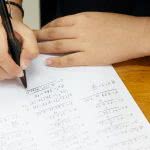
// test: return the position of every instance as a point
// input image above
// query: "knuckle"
(51, 33)
(69, 60)
(58, 45)
(32, 54)
(57, 62)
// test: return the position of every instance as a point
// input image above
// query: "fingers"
(3, 75)
(59, 46)
(61, 22)
(7, 65)
(10, 66)
(76, 59)
(3, 39)
(29, 47)
(55, 33)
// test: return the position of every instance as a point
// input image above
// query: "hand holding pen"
(8, 67)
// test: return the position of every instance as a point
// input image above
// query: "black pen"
(13, 44)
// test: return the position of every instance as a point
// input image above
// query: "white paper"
(83, 108)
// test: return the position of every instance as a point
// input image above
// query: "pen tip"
(24, 80)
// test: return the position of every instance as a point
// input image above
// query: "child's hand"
(94, 38)
(8, 68)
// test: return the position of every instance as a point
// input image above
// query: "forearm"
(146, 35)
(137, 33)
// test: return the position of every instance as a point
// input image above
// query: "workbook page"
(78, 108)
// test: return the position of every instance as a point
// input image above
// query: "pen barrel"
(13, 44)
(15, 49)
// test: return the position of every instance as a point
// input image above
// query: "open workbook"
(83, 108)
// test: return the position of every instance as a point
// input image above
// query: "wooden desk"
(136, 76)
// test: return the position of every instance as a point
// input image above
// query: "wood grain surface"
(136, 76)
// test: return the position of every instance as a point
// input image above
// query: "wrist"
(16, 12)
(17, 1)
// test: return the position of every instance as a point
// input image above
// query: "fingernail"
(21, 74)
(48, 62)
(25, 64)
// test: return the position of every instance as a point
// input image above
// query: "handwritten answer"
(83, 108)
(115, 119)
(66, 129)
(15, 134)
